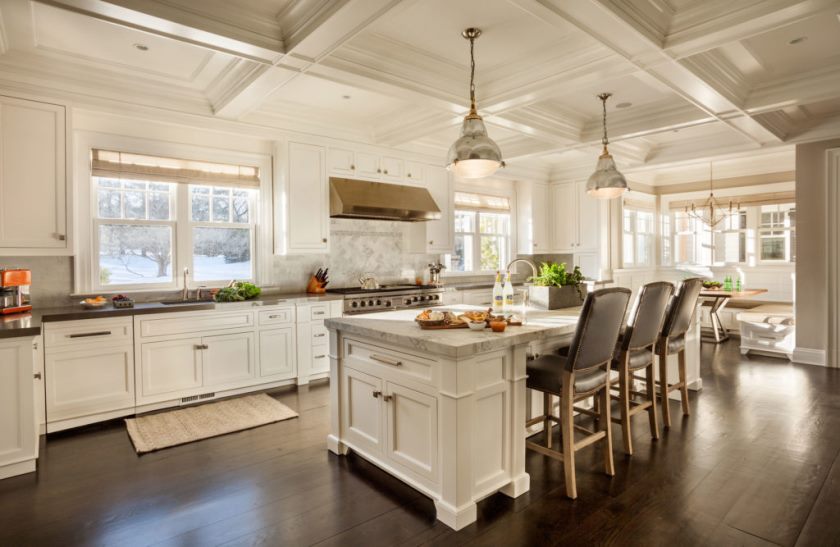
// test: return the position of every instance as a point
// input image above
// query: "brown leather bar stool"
(672, 341)
(584, 372)
(634, 353)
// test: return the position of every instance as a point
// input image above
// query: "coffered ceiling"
(690, 79)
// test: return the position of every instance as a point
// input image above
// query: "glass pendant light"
(474, 155)
(606, 182)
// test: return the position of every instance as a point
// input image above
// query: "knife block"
(315, 287)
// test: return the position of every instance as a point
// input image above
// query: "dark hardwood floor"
(755, 464)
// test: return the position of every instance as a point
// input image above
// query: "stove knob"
(436, 297)
(408, 301)
(355, 304)
(370, 302)
(415, 299)
(388, 303)
(362, 303)
(379, 302)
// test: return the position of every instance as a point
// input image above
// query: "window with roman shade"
(482, 233)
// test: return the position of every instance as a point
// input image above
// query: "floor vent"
(206, 395)
(189, 399)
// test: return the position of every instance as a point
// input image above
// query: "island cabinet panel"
(412, 425)
(362, 421)
(277, 353)
(491, 464)
(228, 359)
(392, 364)
(169, 369)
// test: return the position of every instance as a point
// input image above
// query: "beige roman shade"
(124, 165)
(640, 204)
(767, 198)
(481, 202)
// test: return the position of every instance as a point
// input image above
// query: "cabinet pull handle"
(376, 394)
(386, 171)
(385, 360)
(202, 346)
(352, 167)
(379, 170)
(37, 375)
(275, 316)
(324, 240)
(320, 335)
(409, 175)
(320, 356)
(88, 334)
(431, 242)
(317, 313)
(388, 398)
(60, 237)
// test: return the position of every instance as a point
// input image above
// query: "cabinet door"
(564, 217)
(169, 368)
(412, 432)
(539, 211)
(440, 234)
(91, 381)
(392, 168)
(277, 353)
(415, 172)
(341, 161)
(532, 218)
(589, 220)
(362, 420)
(478, 297)
(32, 175)
(589, 264)
(18, 439)
(228, 359)
(367, 166)
(308, 200)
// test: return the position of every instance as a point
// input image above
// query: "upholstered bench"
(768, 328)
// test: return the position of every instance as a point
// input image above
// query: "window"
(638, 237)
(730, 238)
(146, 231)
(482, 233)
(776, 233)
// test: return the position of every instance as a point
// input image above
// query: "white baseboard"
(808, 356)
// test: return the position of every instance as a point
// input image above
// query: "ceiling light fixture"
(606, 182)
(474, 155)
(710, 212)
(141, 47)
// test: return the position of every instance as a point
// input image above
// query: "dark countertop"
(29, 324)
(474, 285)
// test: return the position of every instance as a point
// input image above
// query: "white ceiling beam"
(811, 87)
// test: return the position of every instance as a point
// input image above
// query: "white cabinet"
(89, 371)
(564, 217)
(363, 420)
(367, 166)
(33, 182)
(313, 355)
(532, 217)
(169, 369)
(435, 236)
(228, 359)
(18, 422)
(589, 220)
(392, 168)
(306, 201)
(277, 353)
(477, 297)
(576, 225)
(415, 172)
(412, 432)
(341, 162)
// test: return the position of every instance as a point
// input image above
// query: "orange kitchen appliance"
(14, 291)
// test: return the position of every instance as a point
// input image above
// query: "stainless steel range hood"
(350, 198)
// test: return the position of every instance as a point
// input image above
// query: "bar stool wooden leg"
(567, 426)
(683, 384)
(650, 387)
(547, 421)
(663, 389)
(624, 403)
(606, 424)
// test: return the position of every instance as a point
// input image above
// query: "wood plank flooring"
(757, 463)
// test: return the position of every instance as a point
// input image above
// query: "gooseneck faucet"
(185, 295)
(524, 261)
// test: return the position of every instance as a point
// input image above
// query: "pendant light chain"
(472, 73)
(604, 140)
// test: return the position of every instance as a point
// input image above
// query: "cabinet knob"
(535, 245)
(386, 171)
(376, 394)
(379, 170)
(37, 375)
(387, 398)
(431, 242)
(324, 240)
(60, 237)
(409, 175)
(352, 167)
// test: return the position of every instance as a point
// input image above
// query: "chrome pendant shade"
(474, 155)
(606, 182)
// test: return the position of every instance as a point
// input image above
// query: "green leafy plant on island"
(552, 274)
(237, 292)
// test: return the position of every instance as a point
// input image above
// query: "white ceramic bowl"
(477, 325)
(89, 306)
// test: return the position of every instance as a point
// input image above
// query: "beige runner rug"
(185, 425)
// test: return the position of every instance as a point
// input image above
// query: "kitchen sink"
(185, 302)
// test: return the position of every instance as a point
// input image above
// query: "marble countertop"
(29, 324)
(399, 328)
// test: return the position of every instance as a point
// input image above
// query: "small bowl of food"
(498, 325)
(477, 325)
(94, 303)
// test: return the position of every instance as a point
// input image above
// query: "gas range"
(389, 297)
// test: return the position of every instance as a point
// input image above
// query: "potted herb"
(555, 288)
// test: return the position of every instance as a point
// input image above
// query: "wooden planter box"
(554, 298)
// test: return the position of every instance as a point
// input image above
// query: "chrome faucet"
(525, 261)
(185, 295)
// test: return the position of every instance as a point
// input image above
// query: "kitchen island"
(443, 410)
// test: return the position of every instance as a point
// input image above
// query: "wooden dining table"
(720, 298)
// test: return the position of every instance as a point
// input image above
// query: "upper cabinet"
(304, 200)
(33, 178)
(576, 218)
(415, 172)
(440, 234)
(347, 163)
(532, 218)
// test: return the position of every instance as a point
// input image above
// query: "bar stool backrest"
(648, 316)
(598, 328)
(682, 308)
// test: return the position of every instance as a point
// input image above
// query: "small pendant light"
(474, 155)
(606, 182)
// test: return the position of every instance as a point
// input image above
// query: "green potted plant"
(555, 288)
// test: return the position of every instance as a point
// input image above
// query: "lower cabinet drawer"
(194, 322)
(320, 334)
(280, 316)
(82, 383)
(88, 332)
(377, 360)
(320, 359)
